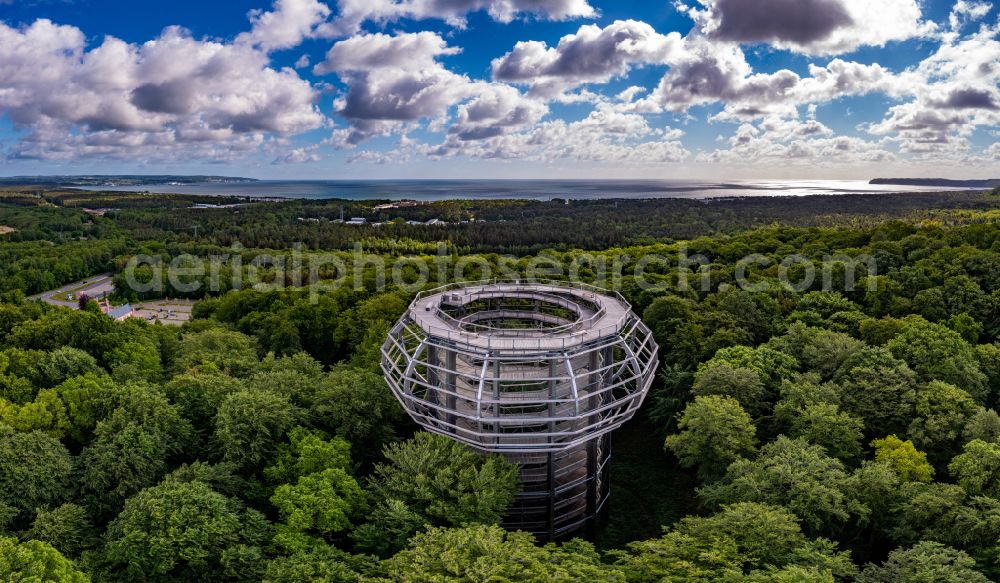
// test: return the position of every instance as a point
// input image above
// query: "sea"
(522, 189)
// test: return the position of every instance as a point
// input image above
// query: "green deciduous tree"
(665, 314)
(984, 425)
(817, 350)
(64, 363)
(826, 425)
(132, 448)
(790, 473)
(875, 490)
(298, 385)
(881, 294)
(792, 574)
(746, 311)
(358, 406)
(942, 412)
(678, 558)
(714, 432)
(741, 539)
(945, 513)
(925, 561)
(446, 481)
(250, 425)
(966, 326)
(742, 384)
(307, 453)
(989, 362)
(809, 411)
(322, 563)
(221, 477)
(903, 457)
(390, 525)
(977, 468)
(66, 527)
(36, 561)
(442, 481)
(35, 470)
(878, 332)
(877, 388)
(489, 553)
(936, 352)
(15, 389)
(200, 392)
(47, 413)
(799, 392)
(826, 303)
(231, 352)
(176, 531)
(88, 399)
(135, 360)
(320, 504)
(771, 365)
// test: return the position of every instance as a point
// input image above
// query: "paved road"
(96, 287)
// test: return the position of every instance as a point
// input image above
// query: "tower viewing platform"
(539, 372)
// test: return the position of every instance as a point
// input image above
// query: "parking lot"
(171, 312)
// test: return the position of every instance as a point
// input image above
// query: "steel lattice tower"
(539, 372)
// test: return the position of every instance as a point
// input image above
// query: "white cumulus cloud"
(171, 96)
(288, 23)
(815, 27)
(392, 81)
(353, 13)
(591, 55)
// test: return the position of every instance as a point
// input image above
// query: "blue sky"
(509, 88)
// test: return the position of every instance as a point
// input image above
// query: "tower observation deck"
(539, 372)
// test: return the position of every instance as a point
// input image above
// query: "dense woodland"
(87, 243)
(814, 436)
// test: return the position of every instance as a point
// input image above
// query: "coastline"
(437, 190)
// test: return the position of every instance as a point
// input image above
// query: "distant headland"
(942, 182)
(100, 180)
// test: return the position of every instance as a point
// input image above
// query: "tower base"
(562, 493)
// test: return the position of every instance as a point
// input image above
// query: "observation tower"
(539, 372)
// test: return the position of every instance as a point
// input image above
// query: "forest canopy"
(816, 435)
